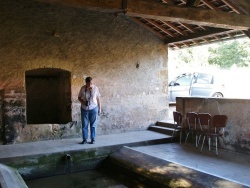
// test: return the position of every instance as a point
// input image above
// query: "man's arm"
(99, 105)
(81, 100)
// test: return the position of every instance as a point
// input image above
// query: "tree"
(187, 55)
(230, 53)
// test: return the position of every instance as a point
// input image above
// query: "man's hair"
(88, 79)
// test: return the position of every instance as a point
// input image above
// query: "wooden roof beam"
(195, 42)
(247, 33)
(183, 2)
(160, 27)
(167, 1)
(193, 3)
(244, 4)
(232, 6)
(210, 5)
(186, 44)
(207, 40)
(147, 27)
(175, 28)
(162, 11)
(188, 27)
(199, 35)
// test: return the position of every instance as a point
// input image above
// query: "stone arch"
(48, 96)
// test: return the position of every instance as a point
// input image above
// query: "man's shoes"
(84, 142)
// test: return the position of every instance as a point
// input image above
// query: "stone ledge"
(163, 173)
(10, 178)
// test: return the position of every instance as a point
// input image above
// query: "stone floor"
(228, 165)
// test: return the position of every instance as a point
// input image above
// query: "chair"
(219, 122)
(178, 124)
(204, 120)
(192, 122)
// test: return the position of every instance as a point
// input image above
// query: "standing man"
(89, 97)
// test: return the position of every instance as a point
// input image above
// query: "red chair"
(204, 124)
(178, 124)
(192, 122)
(219, 122)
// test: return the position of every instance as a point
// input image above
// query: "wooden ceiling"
(180, 23)
(179, 34)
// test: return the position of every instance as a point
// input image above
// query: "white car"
(194, 84)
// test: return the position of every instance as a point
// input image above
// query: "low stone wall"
(156, 172)
(237, 131)
(36, 132)
(58, 163)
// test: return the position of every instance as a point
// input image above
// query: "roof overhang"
(179, 23)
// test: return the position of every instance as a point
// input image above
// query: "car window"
(204, 79)
(184, 81)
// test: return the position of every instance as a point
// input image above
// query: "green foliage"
(230, 53)
(187, 56)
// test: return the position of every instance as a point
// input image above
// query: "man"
(89, 97)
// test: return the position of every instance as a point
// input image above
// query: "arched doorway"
(48, 96)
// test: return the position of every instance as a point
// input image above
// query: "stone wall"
(127, 62)
(237, 131)
(1, 117)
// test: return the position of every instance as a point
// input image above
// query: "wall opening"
(48, 96)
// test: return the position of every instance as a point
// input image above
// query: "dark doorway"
(48, 94)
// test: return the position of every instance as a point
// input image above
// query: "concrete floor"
(231, 166)
(228, 165)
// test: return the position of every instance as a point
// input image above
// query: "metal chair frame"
(219, 122)
(192, 122)
(205, 124)
(178, 122)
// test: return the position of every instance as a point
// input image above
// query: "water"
(92, 179)
(77, 180)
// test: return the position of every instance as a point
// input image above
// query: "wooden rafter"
(193, 3)
(223, 36)
(210, 5)
(232, 6)
(180, 23)
(196, 35)
(160, 27)
(247, 33)
(162, 11)
(188, 15)
(167, 1)
(194, 41)
(175, 28)
(244, 4)
(147, 27)
(189, 28)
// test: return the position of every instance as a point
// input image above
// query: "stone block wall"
(127, 63)
(237, 131)
(1, 117)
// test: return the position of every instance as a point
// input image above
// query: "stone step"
(161, 129)
(168, 124)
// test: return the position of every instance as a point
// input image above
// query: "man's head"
(88, 81)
